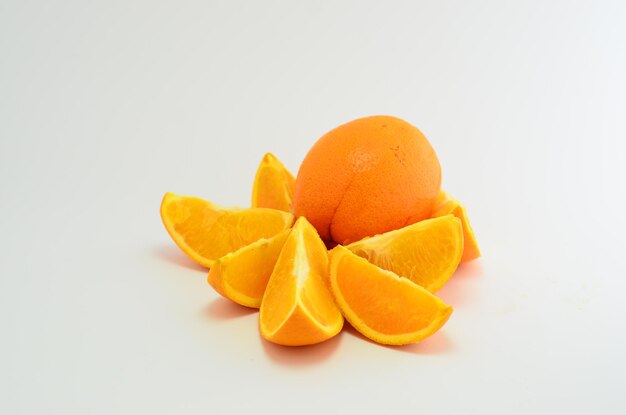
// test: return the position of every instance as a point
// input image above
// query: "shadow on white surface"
(457, 291)
(439, 343)
(301, 355)
(223, 309)
(173, 255)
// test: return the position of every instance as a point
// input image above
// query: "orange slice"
(427, 252)
(446, 205)
(242, 275)
(381, 305)
(298, 308)
(273, 185)
(206, 231)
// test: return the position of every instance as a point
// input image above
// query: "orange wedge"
(206, 231)
(273, 185)
(427, 252)
(381, 305)
(298, 308)
(446, 205)
(242, 275)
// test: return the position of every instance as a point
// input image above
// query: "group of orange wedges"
(383, 285)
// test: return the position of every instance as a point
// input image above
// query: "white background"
(105, 106)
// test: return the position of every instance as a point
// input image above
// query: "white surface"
(104, 107)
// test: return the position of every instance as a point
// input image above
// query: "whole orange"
(366, 177)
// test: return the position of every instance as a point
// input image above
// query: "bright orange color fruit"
(242, 275)
(427, 252)
(273, 185)
(367, 177)
(446, 205)
(369, 189)
(206, 231)
(381, 305)
(298, 308)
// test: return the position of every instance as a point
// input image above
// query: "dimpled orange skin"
(367, 177)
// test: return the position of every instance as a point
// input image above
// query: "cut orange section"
(427, 252)
(381, 305)
(446, 205)
(273, 185)
(206, 231)
(298, 308)
(242, 275)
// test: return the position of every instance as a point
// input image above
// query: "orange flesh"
(446, 205)
(427, 252)
(282, 294)
(251, 278)
(273, 185)
(297, 307)
(242, 275)
(206, 231)
(405, 308)
(382, 306)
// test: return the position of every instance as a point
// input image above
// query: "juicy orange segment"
(381, 305)
(242, 275)
(427, 252)
(446, 205)
(298, 308)
(206, 231)
(273, 185)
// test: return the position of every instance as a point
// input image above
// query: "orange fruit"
(381, 305)
(206, 231)
(427, 252)
(298, 308)
(367, 177)
(446, 205)
(242, 275)
(273, 185)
